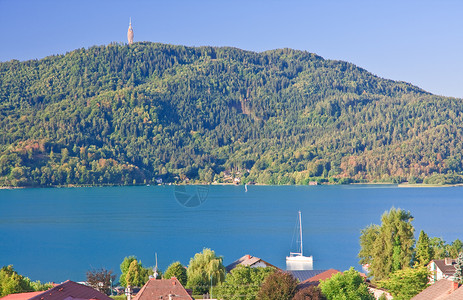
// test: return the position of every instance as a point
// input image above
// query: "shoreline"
(400, 185)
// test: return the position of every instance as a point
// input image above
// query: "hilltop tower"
(130, 33)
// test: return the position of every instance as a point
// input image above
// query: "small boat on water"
(296, 261)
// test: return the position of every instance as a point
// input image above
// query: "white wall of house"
(259, 264)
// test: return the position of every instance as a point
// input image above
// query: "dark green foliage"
(243, 282)
(121, 114)
(177, 270)
(348, 285)
(278, 286)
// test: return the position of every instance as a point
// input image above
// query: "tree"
(205, 269)
(101, 280)
(459, 269)
(406, 283)
(423, 251)
(138, 275)
(388, 247)
(455, 248)
(243, 282)
(348, 285)
(278, 286)
(134, 275)
(309, 293)
(177, 270)
(439, 248)
(12, 282)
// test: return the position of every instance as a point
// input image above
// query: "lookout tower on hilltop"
(130, 33)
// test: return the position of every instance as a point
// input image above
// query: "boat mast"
(300, 231)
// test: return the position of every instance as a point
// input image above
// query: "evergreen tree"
(459, 269)
(423, 251)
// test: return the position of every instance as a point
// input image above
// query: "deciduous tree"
(137, 274)
(177, 270)
(406, 283)
(348, 285)
(243, 283)
(278, 286)
(205, 268)
(309, 293)
(101, 280)
(388, 247)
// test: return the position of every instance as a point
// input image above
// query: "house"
(250, 261)
(443, 289)
(69, 290)
(304, 275)
(166, 289)
(378, 292)
(441, 268)
(314, 280)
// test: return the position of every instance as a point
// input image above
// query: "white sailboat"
(296, 261)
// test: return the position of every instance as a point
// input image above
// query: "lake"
(60, 233)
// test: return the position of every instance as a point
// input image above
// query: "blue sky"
(420, 42)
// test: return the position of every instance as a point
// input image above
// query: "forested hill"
(122, 114)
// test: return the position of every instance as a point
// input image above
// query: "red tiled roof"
(438, 291)
(21, 296)
(161, 289)
(70, 290)
(456, 295)
(316, 279)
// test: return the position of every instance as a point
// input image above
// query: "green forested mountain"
(122, 114)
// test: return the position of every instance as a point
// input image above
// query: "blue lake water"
(59, 234)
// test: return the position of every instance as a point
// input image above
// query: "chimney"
(249, 256)
(455, 285)
(448, 261)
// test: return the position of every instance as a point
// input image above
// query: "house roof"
(456, 295)
(21, 296)
(315, 280)
(446, 269)
(161, 289)
(437, 291)
(247, 260)
(70, 290)
(306, 274)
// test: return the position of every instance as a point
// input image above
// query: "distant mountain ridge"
(121, 114)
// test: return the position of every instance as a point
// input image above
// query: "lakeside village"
(395, 268)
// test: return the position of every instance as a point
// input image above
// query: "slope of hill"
(121, 114)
